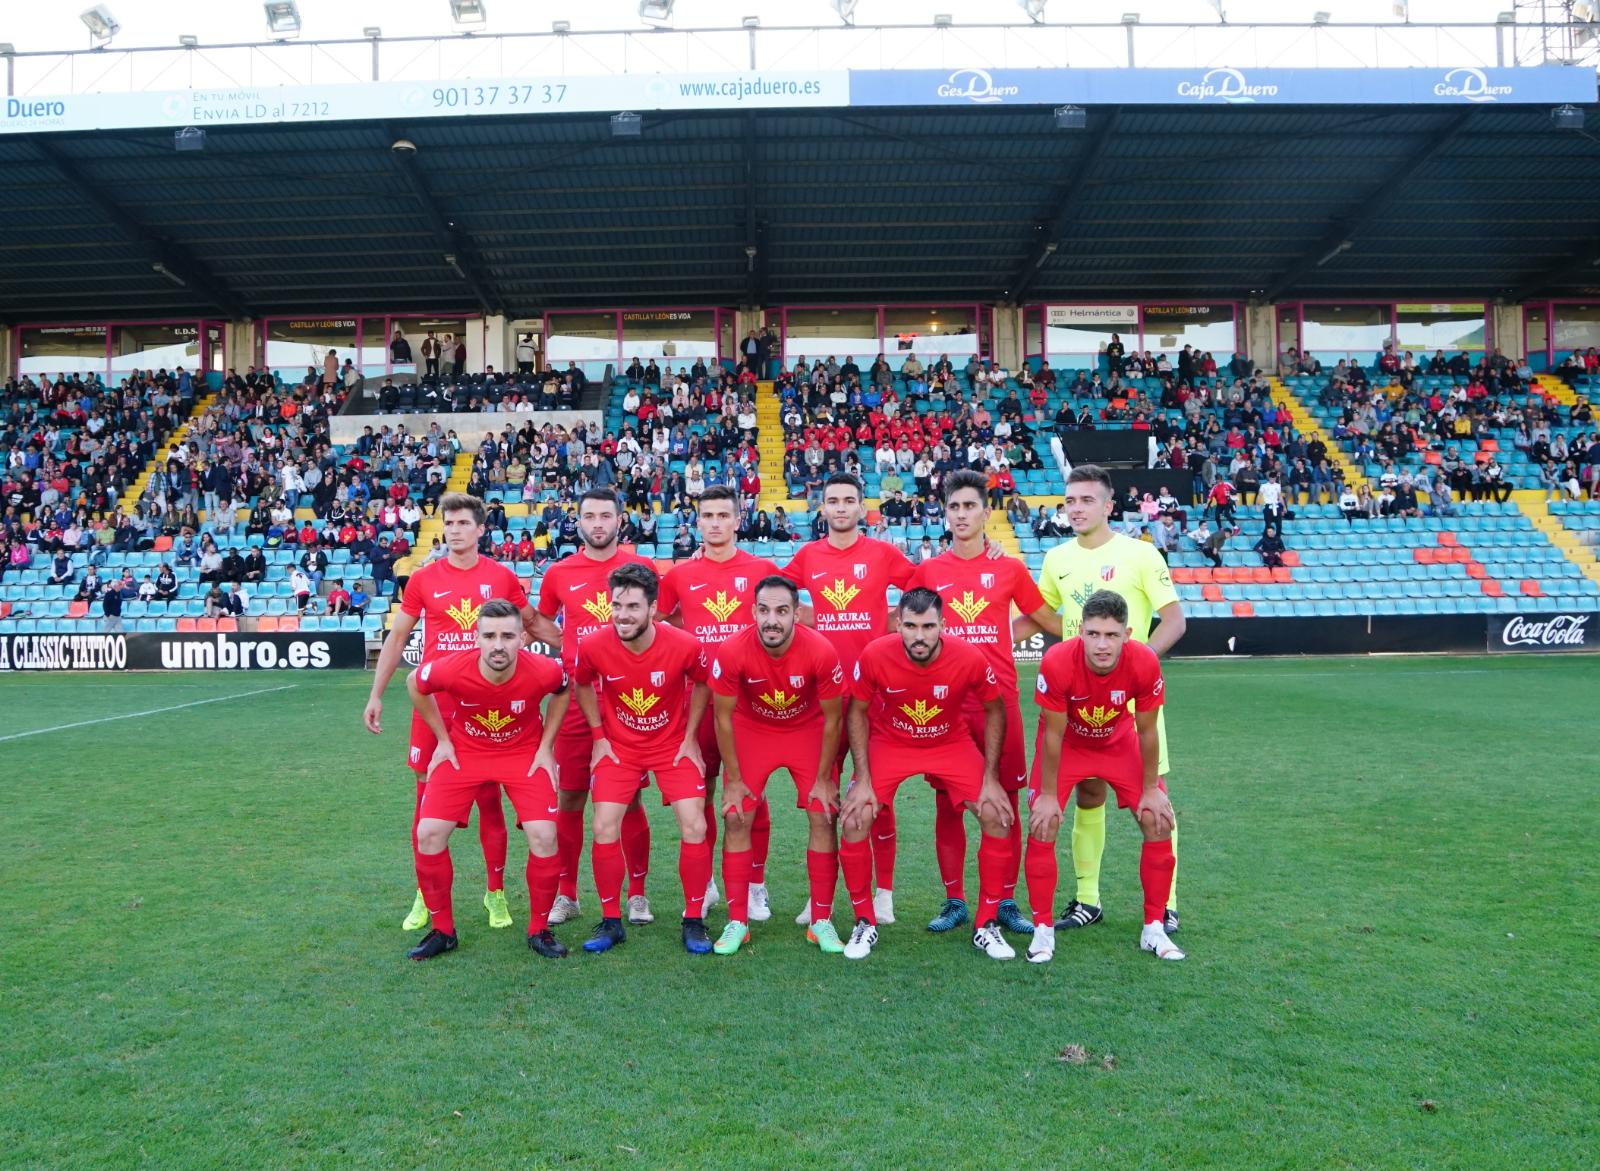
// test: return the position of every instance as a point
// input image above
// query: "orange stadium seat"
(1530, 588)
(78, 609)
(1291, 559)
(206, 625)
(267, 624)
(1476, 570)
(1243, 610)
(228, 625)
(1282, 576)
(1491, 588)
(1183, 576)
(288, 623)
(1211, 593)
(161, 545)
(186, 625)
(1447, 539)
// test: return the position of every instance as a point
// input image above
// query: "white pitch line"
(155, 711)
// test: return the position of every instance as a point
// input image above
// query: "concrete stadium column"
(239, 344)
(1505, 329)
(1260, 344)
(494, 345)
(1007, 339)
(8, 357)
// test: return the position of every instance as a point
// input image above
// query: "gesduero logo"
(1224, 85)
(1470, 85)
(976, 85)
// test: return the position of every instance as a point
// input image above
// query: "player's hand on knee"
(602, 751)
(826, 795)
(690, 750)
(992, 801)
(1155, 813)
(734, 795)
(547, 762)
(1044, 818)
(444, 754)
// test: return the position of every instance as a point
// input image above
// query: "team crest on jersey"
(1107, 572)
(861, 572)
(1119, 696)
(797, 680)
(721, 606)
(486, 592)
(740, 584)
(969, 607)
(840, 595)
(518, 706)
(416, 755)
(464, 614)
(940, 691)
(599, 608)
(986, 580)
(658, 678)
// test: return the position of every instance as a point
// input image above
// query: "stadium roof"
(919, 204)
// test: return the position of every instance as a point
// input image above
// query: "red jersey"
(778, 693)
(715, 597)
(849, 589)
(978, 593)
(448, 599)
(643, 698)
(916, 705)
(1099, 707)
(576, 587)
(489, 718)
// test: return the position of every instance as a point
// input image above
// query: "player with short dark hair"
(1099, 694)
(489, 733)
(642, 690)
(906, 719)
(710, 596)
(577, 589)
(1098, 557)
(447, 596)
(777, 690)
(978, 592)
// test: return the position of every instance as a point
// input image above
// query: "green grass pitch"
(1387, 873)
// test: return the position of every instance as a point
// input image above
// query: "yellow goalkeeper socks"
(1088, 843)
(1172, 894)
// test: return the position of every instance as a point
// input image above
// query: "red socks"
(855, 859)
(544, 875)
(416, 820)
(883, 844)
(569, 848)
(736, 866)
(1008, 887)
(822, 869)
(694, 871)
(1156, 864)
(492, 835)
(950, 845)
(636, 847)
(994, 855)
(760, 840)
(1042, 877)
(609, 869)
(435, 875)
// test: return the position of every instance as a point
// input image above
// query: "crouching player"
(777, 691)
(495, 735)
(1087, 689)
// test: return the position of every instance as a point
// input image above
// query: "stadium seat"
(1243, 610)
(186, 625)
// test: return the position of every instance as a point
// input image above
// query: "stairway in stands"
(176, 439)
(769, 422)
(1537, 509)
(1306, 423)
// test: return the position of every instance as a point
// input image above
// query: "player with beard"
(710, 596)
(777, 690)
(577, 589)
(642, 691)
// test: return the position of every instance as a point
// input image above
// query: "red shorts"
(1122, 771)
(450, 792)
(763, 752)
(573, 748)
(955, 766)
(1013, 750)
(423, 741)
(620, 783)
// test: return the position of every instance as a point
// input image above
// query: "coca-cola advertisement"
(1543, 633)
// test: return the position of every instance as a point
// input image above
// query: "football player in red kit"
(490, 732)
(576, 588)
(1099, 696)
(777, 690)
(642, 690)
(906, 718)
(446, 596)
(710, 596)
(848, 576)
(978, 592)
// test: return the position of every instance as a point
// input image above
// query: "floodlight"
(846, 10)
(101, 24)
(283, 16)
(626, 125)
(1034, 9)
(468, 11)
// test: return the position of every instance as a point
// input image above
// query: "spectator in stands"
(399, 348)
(338, 600)
(111, 606)
(314, 562)
(1271, 548)
(430, 356)
(147, 590)
(1494, 483)
(91, 586)
(1164, 536)
(61, 571)
(1219, 504)
(300, 587)
(1271, 495)
(216, 601)
(683, 543)
(235, 601)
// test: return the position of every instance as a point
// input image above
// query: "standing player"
(492, 736)
(777, 690)
(447, 596)
(848, 576)
(710, 596)
(978, 592)
(642, 689)
(1089, 688)
(576, 588)
(906, 718)
(1098, 557)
